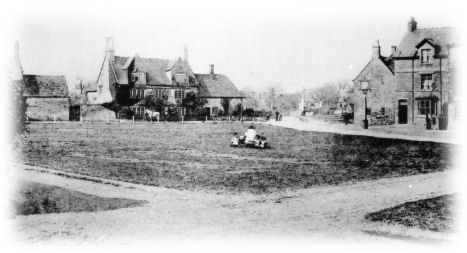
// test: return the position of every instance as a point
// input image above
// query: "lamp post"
(365, 87)
(241, 106)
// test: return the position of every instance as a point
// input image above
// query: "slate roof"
(45, 86)
(217, 86)
(155, 69)
(441, 37)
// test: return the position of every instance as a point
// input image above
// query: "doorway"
(402, 111)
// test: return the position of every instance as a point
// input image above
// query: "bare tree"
(272, 92)
(82, 85)
(328, 94)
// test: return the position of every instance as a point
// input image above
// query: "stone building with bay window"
(421, 68)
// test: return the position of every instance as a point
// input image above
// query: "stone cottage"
(218, 89)
(47, 97)
(379, 73)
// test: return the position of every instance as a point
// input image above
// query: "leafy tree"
(225, 102)
(192, 101)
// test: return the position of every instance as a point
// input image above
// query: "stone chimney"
(109, 49)
(15, 72)
(185, 52)
(393, 50)
(412, 24)
(211, 69)
(376, 50)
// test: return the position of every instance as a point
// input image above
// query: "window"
(214, 110)
(179, 94)
(180, 78)
(427, 81)
(383, 111)
(181, 111)
(100, 89)
(159, 93)
(425, 56)
(138, 77)
(425, 106)
(139, 111)
(136, 93)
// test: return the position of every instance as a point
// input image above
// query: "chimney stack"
(376, 50)
(212, 69)
(16, 50)
(110, 48)
(16, 71)
(412, 24)
(185, 51)
(393, 50)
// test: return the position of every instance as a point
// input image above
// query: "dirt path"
(333, 211)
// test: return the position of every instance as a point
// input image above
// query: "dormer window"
(180, 78)
(138, 77)
(425, 56)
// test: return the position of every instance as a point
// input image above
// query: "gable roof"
(217, 86)
(387, 61)
(429, 41)
(45, 86)
(441, 37)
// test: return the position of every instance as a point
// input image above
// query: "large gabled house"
(128, 80)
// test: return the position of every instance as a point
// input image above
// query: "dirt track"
(333, 211)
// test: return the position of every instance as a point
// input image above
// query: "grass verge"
(36, 198)
(434, 214)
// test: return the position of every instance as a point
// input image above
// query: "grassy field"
(35, 198)
(435, 214)
(198, 156)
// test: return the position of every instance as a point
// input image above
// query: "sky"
(291, 46)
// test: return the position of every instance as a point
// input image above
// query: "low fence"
(177, 119)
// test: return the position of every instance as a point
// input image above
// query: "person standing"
(277, 115)
(428, 121)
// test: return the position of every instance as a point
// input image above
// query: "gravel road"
(320, 212)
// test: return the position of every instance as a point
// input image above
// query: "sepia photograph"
(233, 126)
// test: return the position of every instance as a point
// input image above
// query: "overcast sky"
(255, 45)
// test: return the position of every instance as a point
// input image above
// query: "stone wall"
(381, 95)
(46, 109)
(408, 74)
